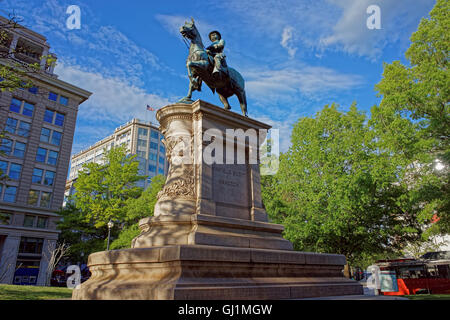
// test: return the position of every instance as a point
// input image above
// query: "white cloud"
(287, 41)
(308, 81)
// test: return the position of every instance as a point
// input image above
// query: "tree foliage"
(137, 209)
(413, 119)
(102, 190)
(336, 191)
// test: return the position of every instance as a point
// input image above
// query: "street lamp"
(439, 165)
(110, 225)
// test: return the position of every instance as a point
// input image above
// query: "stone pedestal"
(210, 237)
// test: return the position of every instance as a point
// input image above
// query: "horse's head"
(189, 30)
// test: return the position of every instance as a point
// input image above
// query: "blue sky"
(296, 56)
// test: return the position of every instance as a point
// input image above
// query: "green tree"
(337, 192)
(413, 119)
(103, 190)
(137, 209)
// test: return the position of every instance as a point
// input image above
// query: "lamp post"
(110, 225)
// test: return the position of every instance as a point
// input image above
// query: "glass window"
(37, 175)
(45, 135)
(19, 149)
(141, 154)
(28, 109)
(24, 129)
(29, 221)
(10, 194)
(160, 171)
(152, 168)
(48, 116)
(52, 96)
(162, 149)
(63, 100)
(153, 156)
(31, 245)
(6, 146)
(52, 158)
(154, 134)
(45, 199)
(56, 138)
(15, 105)
(49, 178)
(161, 160)
(142, 132)
(153, 145)
(11, 125)
(142, 143)
(59, 119)
(33, 90)
(33, 197)
(14, 171)
(41, 154)
(5, 218)
(41, 222)
(3, 168)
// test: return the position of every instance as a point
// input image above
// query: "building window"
(142, 143)
(141, 154)
(56, 138)
(49, 178)
(19, 149)
(6, 146)
(154, 134)
(45, 199)
(59, 119)
(153, 156)
(160, 171)
(52, 158)
(10, 194)
(28, 221)
(31, 245)
(11, 125)
(3, 169)
(33, 90)
(162, 149)
(5, 218)
(48, 116)
(37, 176)
(151, 168)
(14, 171)
(45, 135)
(153, 145)
(42, 222)
(161, 160)
(41, 155)
(28, 109)
(52, 96)
(24, 129)
(142, 132)
(33, 197)
(63, 100)
(15, 105)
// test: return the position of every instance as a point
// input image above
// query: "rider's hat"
(215, 31)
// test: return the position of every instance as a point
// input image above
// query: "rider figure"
(216, 51)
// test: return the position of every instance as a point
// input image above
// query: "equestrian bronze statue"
(209, 65)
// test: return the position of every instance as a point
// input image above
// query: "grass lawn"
(429, 297)
(13, 292)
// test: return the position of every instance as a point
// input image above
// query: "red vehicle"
(429, 274)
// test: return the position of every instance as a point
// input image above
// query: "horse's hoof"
(185, 100)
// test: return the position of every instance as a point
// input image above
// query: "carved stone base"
(214, 273)
(210, 230)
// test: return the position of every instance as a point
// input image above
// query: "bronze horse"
(200, 67)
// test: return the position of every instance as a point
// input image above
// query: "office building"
(39, 124)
